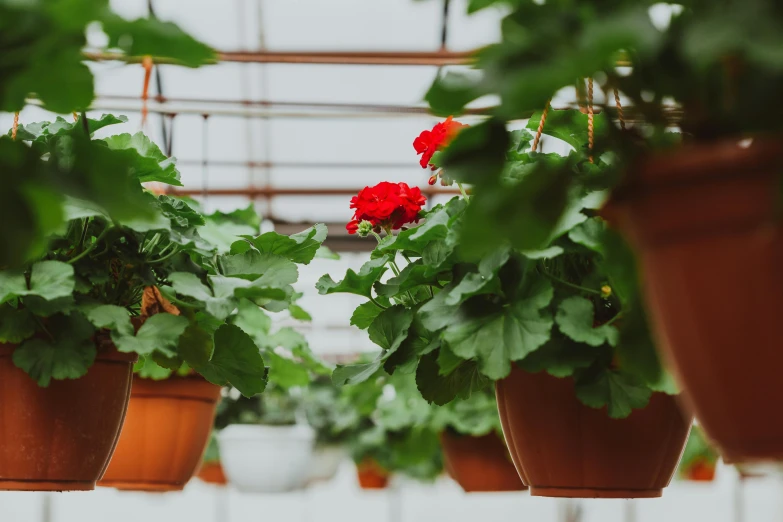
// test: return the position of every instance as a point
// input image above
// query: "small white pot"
(266, 459)
(326, 461)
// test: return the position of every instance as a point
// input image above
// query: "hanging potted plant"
(169, 399)
(474, 452)
(211, 470)
(578, 397)
(264, 446)
(699, 459)
(390, 432)
(69, 319)
(330, 418)
(698, 206)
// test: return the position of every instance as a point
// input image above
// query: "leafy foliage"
(522, 272)
(133, 267)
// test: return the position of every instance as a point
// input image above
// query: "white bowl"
(266, 459)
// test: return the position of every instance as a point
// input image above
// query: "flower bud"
(606, 291)
(364, 228)
(433, 179)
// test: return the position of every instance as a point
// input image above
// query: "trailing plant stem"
(91, 247)
(571, 285)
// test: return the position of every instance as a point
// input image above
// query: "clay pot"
(212, 473)
(479, 463)
(372, 475)
(60, 438)
(706, 224)
(165, 434)
(563, 448)
(700, 470)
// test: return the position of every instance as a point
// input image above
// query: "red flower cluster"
(430, 141)
(386, 205)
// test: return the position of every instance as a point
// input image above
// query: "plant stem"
(462, 190)
(377, 237)
(394, 267)
(571, 285)
(91, 247)
(613, 319)
(164, 258)
(376, 303)
(43, 328)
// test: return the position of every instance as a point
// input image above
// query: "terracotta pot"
(563, 448)
(699, 470)
(371, 475)
(165, 434)
(212, 473)
(479, 463)
(705, 222)
(60, 438)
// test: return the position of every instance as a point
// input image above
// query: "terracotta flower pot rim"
(103, 355)
(190, 387)
(697, 163)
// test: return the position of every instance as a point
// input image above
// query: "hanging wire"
(444, 25)
(266, 173)
(168, 139)
(158, 79)
(204, 156)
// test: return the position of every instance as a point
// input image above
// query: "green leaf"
(236, 361)
(435, 314)
(149, 162)
(266, 269)
(435, 256)
(559, 357)
(218, 300)
(51, 279)
(115, 318)
(575, 317)
(390, 328)
(15, 325)
(44, 361)
(478, 153)
(589, 234)
(286, 372)
(146, 368)
(355, 283)
(68, 356)
(195, 346)
(450, 93)
(617, 391)
(505, 336)
(355, 373)
(410, 277)
(299, 313)
(365, 314)
(299, 248)
(12, 284)
(153, 37)
(253, 321)
(442, 389)
(161, 333)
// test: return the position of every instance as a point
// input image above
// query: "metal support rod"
(266, 192)
(425, 58)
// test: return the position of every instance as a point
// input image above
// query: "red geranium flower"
(430, 141)
(386, 205)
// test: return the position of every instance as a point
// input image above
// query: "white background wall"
(726, 500)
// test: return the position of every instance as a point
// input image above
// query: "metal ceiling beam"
(416, 58)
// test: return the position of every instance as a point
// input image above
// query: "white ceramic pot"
(326, 461)
(266, 459)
